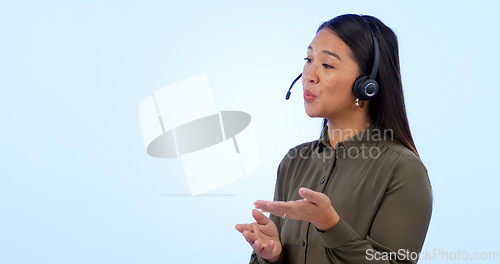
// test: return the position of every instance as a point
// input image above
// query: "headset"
(365, 87)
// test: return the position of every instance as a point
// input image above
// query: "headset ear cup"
(370, 89)
(365, 88)
(357, 88)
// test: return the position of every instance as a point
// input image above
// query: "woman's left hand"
(315, 208)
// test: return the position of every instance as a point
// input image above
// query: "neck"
(340, 130)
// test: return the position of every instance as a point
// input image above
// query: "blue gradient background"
(76, 185)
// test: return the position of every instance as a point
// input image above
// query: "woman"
(358, 194)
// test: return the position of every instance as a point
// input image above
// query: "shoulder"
(408, 168)
(400, 149)
(404, 157)
(295, 156)
(301, 150)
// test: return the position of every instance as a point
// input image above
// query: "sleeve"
(280, 194)
(399, 227)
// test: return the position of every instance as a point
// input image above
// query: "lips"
(308, 96)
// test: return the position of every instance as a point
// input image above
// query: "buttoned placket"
(329, 165)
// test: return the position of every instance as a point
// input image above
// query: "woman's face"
(328, 77)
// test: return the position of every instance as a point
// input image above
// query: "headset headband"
(376, 52)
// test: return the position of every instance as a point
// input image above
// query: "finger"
(281, 208)
(266, 206)
(260, 203)
(249, 237)
(243, 227)
(264, 249)
(257, 247)
(260, 217)
(310, 195)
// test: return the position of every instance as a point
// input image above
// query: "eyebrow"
(333, 54)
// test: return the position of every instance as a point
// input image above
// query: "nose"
(309, 73)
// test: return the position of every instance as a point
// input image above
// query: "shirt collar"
(358, 138)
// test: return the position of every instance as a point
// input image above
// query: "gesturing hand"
(315, 208)
(263, 236)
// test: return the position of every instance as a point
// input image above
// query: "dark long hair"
(387, 109)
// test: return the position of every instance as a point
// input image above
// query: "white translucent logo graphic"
(215, 147)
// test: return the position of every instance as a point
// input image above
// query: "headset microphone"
(289, 90)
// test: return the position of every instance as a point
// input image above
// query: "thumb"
(260, 217)
(310, 195)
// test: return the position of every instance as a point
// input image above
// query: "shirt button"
(303, 243)
(322, 181)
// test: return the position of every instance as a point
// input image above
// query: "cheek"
(340, 88)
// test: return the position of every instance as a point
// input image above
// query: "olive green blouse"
(379, 188)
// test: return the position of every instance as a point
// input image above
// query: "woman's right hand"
(262, 236)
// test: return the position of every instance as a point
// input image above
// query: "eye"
(326, 66)
(308, 60)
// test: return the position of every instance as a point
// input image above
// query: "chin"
(312, 113)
